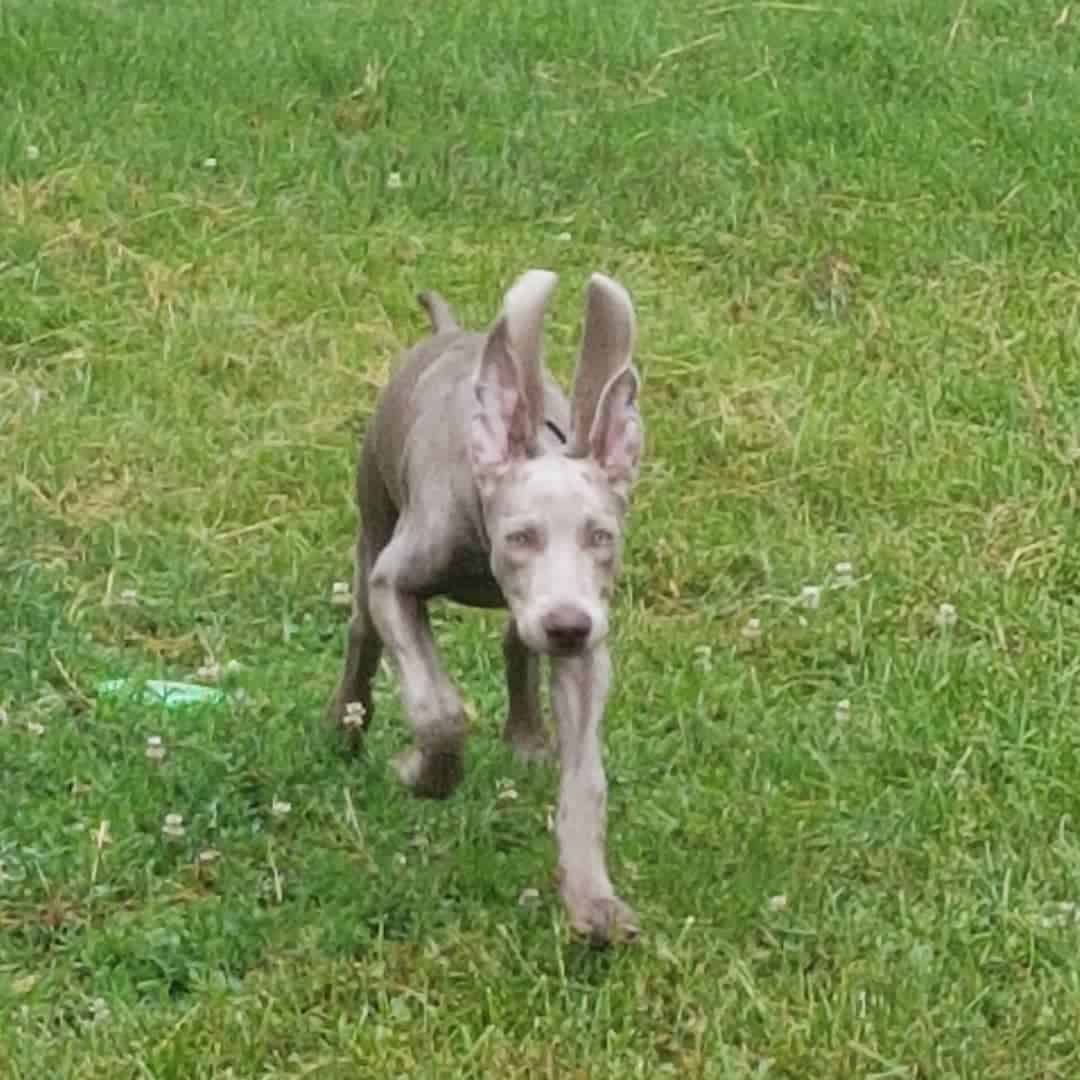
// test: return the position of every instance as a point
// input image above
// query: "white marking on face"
(555, 529)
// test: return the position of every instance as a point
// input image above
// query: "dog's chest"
(468, 580)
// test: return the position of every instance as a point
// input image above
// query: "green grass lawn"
(851, 829)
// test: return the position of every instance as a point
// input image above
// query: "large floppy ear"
(616, 436)
(605, 422)
(607, 346)
(509, 383)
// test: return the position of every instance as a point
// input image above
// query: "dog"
(480, 482)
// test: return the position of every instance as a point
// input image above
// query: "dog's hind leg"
(350, 708)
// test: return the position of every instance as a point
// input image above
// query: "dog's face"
(555, 528)
(554, 519)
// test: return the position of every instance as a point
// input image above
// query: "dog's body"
(480, 482)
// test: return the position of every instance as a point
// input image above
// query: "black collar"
(555, 428)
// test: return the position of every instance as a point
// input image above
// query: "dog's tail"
(442, 318)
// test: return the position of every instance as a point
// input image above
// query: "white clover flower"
(35, 728)
(174, 826)
(752, 630)
(341, 594)
(33, 152)
(394, 181)
(945, 617)
(810, 597)
(354, 715)
(209, 163)
(1062, 913)
(778, 902)
(155, 748)
(280, 808)
(209, 672)
(844, 575)
(208, 856)
(843, 711)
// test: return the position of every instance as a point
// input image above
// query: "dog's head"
(555, 518)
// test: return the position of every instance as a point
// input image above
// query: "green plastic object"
(173, 695)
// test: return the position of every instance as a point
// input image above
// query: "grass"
(850, 230)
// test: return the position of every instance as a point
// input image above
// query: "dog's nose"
(567, 628)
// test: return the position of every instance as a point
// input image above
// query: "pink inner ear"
(497, 432)
(615, 440)
(487, 444)
(502, 425)
(622, 443)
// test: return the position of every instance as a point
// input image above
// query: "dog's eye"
(601, 538)
(521, 538)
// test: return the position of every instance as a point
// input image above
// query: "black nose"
(567, 628)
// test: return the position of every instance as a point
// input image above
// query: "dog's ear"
(509, 383)
(524, 307)
(607, 347)
(616, 436)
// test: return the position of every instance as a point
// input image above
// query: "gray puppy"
(480, 482)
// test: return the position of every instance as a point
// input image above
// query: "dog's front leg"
(524, 729)
(579, 689)
(435, 765)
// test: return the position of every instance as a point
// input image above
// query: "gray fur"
(466, 490)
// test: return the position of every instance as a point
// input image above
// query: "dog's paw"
(603, 920)
(430, 774)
